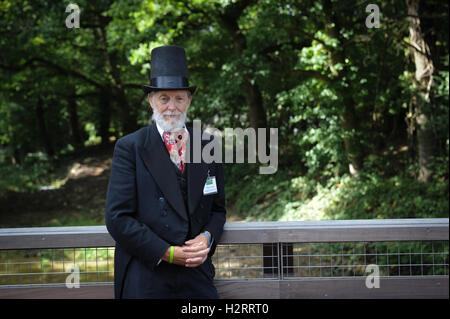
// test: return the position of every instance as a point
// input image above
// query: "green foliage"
(280, 197)
(317, 136)
(27, 177)
(338, 92)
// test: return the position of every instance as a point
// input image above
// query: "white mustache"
(172, 113)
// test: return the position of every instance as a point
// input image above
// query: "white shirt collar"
(161, 131)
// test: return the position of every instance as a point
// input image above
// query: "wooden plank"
(337, 231)
(308, 288)
(55, 237)
(243, 233)
(365, 234)
(58, 292)
(248, 289)
(336, 288)
(355, 288)
(266, 289)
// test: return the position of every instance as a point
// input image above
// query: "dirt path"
(79, 201)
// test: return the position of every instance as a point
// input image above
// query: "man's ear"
(150, 100)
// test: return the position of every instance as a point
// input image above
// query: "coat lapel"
(157, 161)
(196, 172)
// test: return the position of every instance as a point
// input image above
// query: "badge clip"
(210, 185)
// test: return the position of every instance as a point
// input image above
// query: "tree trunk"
(104, 116)
(253, 96)
(43, 132)
(348, 118)
(112, 69)
(423, 80)
(74, 121)
(352, 145)
(255, 101)
(128, 116)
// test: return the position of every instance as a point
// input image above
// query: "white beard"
(170, 125)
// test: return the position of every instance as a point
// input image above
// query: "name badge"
(210, 186)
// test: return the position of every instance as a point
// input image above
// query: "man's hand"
(192, 254)
(200, 239)
(197, 250)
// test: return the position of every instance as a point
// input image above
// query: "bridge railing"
(392, 258)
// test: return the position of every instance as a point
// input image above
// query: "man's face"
(170, 108)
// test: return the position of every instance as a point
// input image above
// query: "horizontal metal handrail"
(414, 229)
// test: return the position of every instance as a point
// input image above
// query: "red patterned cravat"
(176, 146)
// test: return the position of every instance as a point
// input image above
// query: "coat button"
(166, 227)
(161, 202)
(164, 213)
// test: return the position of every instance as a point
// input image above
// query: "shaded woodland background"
(362, 113)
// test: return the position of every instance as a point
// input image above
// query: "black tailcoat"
(146, 214)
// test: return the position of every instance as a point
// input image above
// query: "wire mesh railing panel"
(423, 258)
(246, 261)
(53, 266)
(240, 261)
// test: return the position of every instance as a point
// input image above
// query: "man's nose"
(171, 105)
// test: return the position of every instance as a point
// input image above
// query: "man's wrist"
(166, 256)
(208, 236)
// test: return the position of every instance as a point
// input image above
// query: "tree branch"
(132, 85)
(311, 73)
(66, 71)
(44, 62)
(296, 30)
(235, 10)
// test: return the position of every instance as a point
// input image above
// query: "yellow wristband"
(171, 254)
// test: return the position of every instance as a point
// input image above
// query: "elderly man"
(165, 212)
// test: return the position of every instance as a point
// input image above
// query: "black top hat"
(168, 70)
